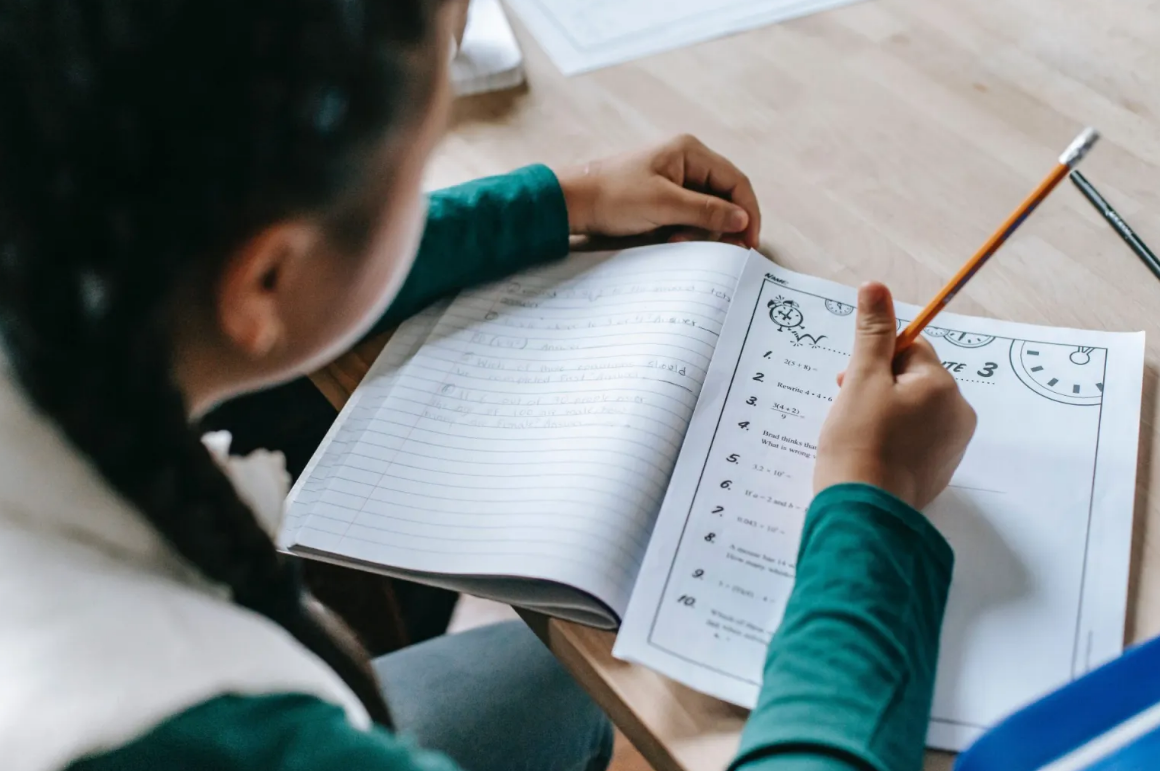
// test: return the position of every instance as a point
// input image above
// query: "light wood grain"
(885, 140)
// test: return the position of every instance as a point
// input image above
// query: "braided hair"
(140, 142)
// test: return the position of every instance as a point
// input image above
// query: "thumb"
(700, 210)
(874, 339)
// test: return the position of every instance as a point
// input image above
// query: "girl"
(200, 198)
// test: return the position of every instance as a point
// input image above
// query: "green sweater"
(849, 674)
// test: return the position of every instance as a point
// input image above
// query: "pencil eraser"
(1079, 148)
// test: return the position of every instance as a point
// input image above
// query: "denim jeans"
(495, 699)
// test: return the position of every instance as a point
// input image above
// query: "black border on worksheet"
(697, 489)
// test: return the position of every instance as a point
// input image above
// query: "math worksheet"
(582, 35)
(1039, 514)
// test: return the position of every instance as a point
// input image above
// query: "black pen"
(1117, 222)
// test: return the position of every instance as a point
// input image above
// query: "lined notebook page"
(354, 418)
(534, 433)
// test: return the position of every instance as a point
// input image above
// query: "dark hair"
(140, 141)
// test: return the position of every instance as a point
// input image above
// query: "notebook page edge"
(692, 254)
(407, 339)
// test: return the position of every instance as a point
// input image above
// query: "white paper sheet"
(1039, 514)
(353, 419)
(490, 58)
(583, 35)
(533, 434)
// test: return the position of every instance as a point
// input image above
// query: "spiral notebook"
(630, 438)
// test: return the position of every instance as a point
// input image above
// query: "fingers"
(919, 366)
(919, 358)
(691, 209)
(713, 173)
(876, 332)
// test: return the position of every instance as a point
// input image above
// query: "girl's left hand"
(681, 184)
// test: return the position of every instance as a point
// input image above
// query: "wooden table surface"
(885, 140)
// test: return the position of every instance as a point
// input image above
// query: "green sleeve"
(849, 675)
(278, 732)
(482, 231)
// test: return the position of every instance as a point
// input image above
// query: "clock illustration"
(967, 339)
(935, 332)
(1068, 374)
(785, 313)
(839, 309)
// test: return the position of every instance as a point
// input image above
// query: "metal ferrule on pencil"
(1079, 148)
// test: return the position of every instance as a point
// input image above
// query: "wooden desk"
(886, 140)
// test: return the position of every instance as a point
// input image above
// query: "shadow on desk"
(490, 107)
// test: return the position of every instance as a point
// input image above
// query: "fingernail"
(871, 296)
(738, 219)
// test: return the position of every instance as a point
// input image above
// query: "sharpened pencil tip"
(1079, 147)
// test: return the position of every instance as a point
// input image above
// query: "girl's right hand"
(901, 426)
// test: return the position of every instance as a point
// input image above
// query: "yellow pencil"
(1069, 160)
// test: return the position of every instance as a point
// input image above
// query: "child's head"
(198, 197)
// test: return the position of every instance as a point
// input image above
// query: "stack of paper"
(582, 35)
(490, 58)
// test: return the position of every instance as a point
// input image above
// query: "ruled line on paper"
(597, 438)
(510, 533)
(505, 481)
(333, 511)
(545, 360)
(582, 311)
(493, 545)
(561, 292)
(338, 525)
(406, 341)
(563, 276)
(608, 376)
(604, 389)
(543, 354)
(654, 327)
(559, 282)
(375, 460)
(373, 452)
(532, 379)
(467, 435)
(560, 422)
(546, 410)
(496, 552)
(360, 476)
(339, 505)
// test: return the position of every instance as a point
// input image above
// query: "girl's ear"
(251, 293)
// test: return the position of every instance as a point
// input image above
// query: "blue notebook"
(1108, 720)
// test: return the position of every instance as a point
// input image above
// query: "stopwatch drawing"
(1068, 374)
(839, 308)
(967, 339)
(785, 313)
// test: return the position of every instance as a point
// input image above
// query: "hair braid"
(136, 138)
